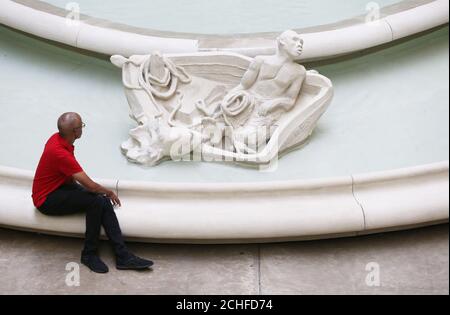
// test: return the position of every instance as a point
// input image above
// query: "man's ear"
(281, 42)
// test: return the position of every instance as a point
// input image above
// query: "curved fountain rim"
(268, 186)
(45, 7)
(397, 21)
(262, 213)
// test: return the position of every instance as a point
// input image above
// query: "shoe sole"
(96, 271)
(134, 268)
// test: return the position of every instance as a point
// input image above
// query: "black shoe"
(133, 263)
(94, 263)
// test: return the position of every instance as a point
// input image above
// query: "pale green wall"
(390, 110)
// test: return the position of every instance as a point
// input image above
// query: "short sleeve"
(67, 164)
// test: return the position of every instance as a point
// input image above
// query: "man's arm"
(291, 77)
(291, 95)
(285, 103)
(251, 74)
(94, 187)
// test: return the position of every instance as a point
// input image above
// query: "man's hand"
(92, 186)
(115, 200)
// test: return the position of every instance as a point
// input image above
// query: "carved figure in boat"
(221, 106)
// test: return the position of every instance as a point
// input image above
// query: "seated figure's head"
(291, 43)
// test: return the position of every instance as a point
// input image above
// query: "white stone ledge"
(83, 35)
(251, 212)
(404, 197)
(419, 19)
(407, 18)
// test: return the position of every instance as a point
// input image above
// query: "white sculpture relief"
(227, 107)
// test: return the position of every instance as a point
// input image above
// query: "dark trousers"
(73, 198)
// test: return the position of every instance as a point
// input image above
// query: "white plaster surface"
(256, 108)
(385, 115)
(244, 213)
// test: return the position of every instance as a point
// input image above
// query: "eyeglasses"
(81, 127)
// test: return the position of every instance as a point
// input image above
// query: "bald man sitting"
(57, 191)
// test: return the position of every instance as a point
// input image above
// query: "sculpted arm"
(291, 96)
(250, 75)
(287, 102)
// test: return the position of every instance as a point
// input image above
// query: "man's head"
(70, 126)
(291, 43)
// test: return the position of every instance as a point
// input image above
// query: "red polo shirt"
(56, 167)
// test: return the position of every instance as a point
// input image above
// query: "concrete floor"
(410, 262)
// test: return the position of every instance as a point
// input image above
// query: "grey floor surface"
(407, 262)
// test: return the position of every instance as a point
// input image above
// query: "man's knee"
(98, 203)
(106, 203)
(102, 203)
